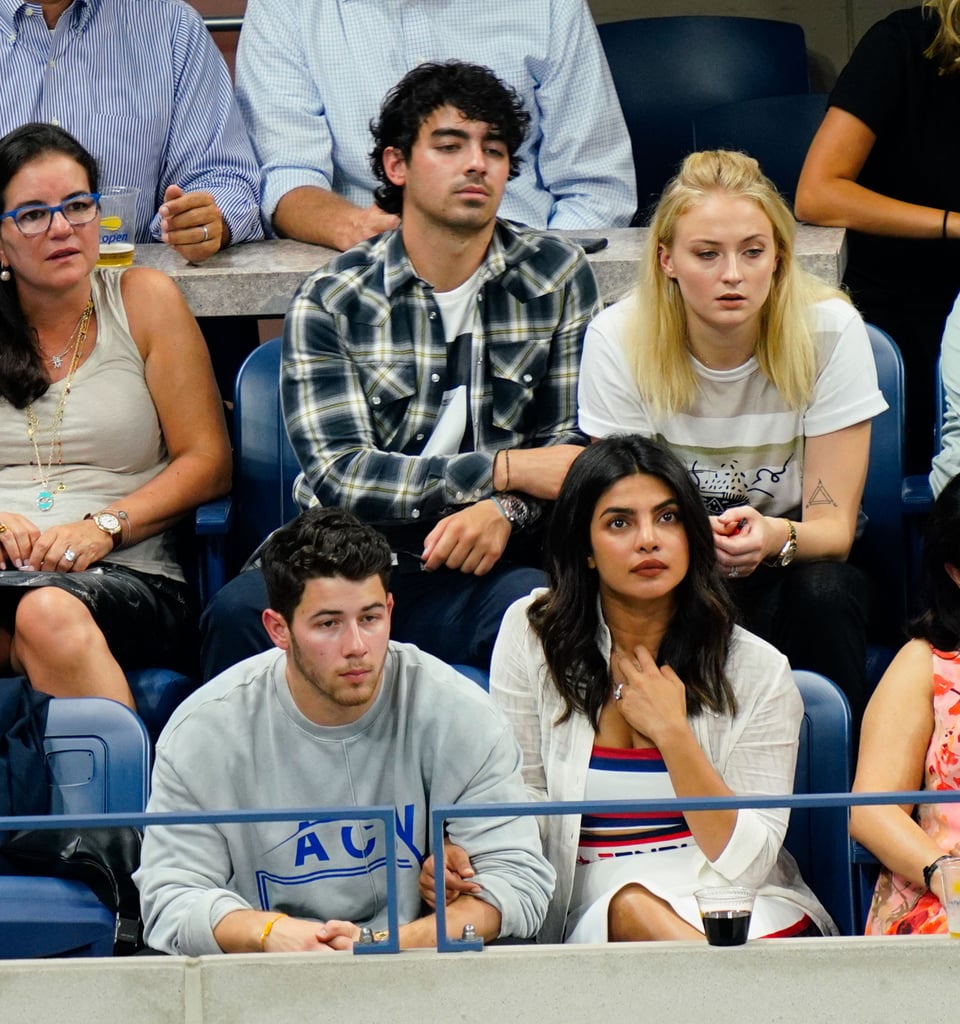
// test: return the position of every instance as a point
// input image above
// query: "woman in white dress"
(626, 679)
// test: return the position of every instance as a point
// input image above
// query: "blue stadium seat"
(264, 470)
(776, 130)
(884, 549)
(818, 837)
(98, 762)
(668, 70)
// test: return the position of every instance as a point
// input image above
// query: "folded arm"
(828, 192)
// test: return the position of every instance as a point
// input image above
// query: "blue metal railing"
(442, 813)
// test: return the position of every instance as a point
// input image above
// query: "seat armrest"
(916, 494)
(214, 517)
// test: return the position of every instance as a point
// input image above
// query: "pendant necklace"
(45, 496)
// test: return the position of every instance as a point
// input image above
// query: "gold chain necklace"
(45, 499)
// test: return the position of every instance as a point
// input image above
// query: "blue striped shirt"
(142, 86)
(312, 74)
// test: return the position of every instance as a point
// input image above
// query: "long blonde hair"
(945, 48)
(656, 341)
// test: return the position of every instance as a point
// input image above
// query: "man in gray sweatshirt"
(336, 716)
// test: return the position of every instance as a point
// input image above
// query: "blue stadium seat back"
(668, 70)
(818, 838)
(157, 692)
(866, 869)
(882, 550)
(776, 130)
(480, 676)
(265, 466)
(98, 757)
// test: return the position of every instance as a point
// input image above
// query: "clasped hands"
(24, 546)
(472, 539)
(298, 934)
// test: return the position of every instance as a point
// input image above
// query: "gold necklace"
(45, 498)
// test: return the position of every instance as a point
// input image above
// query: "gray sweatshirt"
(431, 737)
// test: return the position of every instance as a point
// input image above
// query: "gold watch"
(110, 523)
(789, 550)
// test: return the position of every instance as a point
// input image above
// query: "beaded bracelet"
(267, 929)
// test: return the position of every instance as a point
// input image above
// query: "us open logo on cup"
(118, 211)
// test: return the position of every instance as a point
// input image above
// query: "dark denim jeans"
(446, 613)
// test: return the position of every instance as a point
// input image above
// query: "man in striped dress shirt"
(142, 86)
(311, 75)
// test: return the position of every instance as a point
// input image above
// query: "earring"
(5, 274)
(591, 564)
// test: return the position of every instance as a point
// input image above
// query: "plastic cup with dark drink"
(725, 912)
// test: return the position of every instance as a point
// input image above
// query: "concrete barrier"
(787, 981)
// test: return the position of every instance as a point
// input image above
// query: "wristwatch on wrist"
(930, 868)
(110, 523)
(789, 550)
(514, 509)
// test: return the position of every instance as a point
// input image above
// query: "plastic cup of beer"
(118, 225)
(949, 872)
(725, 912)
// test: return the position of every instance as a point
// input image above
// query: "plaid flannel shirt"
(365, 363)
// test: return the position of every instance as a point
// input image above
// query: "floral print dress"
(899, 907)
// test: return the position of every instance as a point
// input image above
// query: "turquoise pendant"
(44, 501)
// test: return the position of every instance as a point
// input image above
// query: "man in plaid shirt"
(429, 375)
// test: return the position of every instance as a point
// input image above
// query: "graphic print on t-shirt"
(347, 858)
(729, 485)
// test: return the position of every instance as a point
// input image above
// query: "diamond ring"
(70, 555)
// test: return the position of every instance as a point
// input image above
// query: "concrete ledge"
(259, 278)
(787, 981)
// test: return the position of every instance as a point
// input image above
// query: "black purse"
(102, 858)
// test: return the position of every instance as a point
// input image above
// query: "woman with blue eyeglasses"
(111, 430)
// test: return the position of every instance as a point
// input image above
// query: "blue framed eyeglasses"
(35, 219)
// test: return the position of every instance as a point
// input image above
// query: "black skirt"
(149, 621)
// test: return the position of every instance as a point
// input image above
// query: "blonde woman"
(884, 165)
(760, 377)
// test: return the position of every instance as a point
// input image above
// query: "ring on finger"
(206, 233)
(70, 555)
(3, 527)
(734, 571)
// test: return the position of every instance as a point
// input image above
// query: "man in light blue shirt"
(142, 86)
(311, 76)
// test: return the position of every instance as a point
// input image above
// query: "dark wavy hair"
(939, 624)
(321, 542)
(22, 375)
(473, 90)
(566, 617)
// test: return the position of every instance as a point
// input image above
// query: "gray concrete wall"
(788, 981)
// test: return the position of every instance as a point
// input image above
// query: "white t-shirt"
(741, 441)
(458, 310)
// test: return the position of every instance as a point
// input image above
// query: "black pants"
(816, 614)
(452, 615)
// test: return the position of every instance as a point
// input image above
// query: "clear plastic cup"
(725, 912)
(949, 874)
(118, 225)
